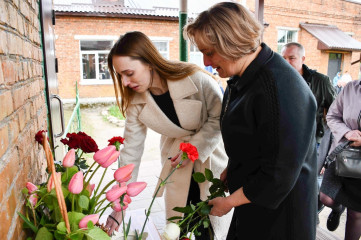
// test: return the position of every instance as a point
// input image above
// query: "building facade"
(84, 35)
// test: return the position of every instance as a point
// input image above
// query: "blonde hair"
(138, 46)
(229, 28)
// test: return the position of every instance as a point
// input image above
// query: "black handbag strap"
(332, 156)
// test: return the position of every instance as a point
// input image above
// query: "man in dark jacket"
(320, 84)
(321, 87)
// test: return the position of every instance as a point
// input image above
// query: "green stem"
(100, 182)
(72, 203)
(100, 204)
(125, 235)
(100, 194)
(86, 174)
(159, 187)
(105, 208)
(87, 182)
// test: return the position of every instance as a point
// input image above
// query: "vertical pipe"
(183, 51)
(259, 9)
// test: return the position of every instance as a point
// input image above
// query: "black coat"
(324, 93)
(268, 128)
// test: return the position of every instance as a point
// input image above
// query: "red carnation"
(80, 140)
(39, 136)
(86, 143)
(190, 150)
(116, 141)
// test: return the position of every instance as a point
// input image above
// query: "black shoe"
(333, 219)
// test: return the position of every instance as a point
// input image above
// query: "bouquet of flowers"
(195, 214)
(66, 206)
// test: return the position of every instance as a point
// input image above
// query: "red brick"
(13, 20)
(1, 71)
(3, 37)
(4, 139)
(9, 71)
(20, 95)
(5, 223)
(8, 173)
(14, 129)
(6, 104)
(4, 16)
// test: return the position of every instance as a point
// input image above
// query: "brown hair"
(138, 46)
(229, 28)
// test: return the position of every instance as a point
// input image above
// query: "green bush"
(115, 112)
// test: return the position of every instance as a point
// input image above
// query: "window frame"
(287, 29)
(95, 81)
(162, 39)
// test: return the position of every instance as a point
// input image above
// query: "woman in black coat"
(268, 128)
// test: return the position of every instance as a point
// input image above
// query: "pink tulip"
(123, 174)
(31, 187)
(69, 158)
(90, 188)
(117, 206)
(111, 159)
(115, 193)
(33, 199)
(102, 155)
(127, 199)
(51, 184)
(84, 221)
(76, 183)
(135, 188)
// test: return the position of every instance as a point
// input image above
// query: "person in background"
(181, 102)
(321, 87)
(335, 81)
(343, 118)
(320, 84)
(345, 78)
(268, 128)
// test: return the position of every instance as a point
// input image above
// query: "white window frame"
(162, 39)
(95, 81)
(196, 53)
(288, 29)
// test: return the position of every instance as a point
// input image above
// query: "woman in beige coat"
(179, 101)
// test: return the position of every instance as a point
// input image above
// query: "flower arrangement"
(197, 214)
(68, 206)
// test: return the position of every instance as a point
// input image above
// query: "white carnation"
(171, 232)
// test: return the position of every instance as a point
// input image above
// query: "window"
(94, 61)
(195, 56)
(162, 47)
(285, 36)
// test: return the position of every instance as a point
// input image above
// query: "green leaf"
(209, 174)
(59, 235)
(186, 209)
(128, 226)
(174, 218)
(83, 202)
(90, 225)
(206, 209)
(217, 182)
(74, 219)
(28, 223)
(97, 234)
(44, 234)
(25, 191)
(205, 224)
(76, 236)
(199, 177)
(61, 227)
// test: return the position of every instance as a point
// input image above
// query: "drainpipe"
(183, 52)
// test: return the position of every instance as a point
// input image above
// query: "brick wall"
(289, 13)
(68, 48)
(23, 110)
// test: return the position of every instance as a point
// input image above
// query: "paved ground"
(150, 168)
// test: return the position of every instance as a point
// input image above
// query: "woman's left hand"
(220, 206)
(177, 159)
(355, 136)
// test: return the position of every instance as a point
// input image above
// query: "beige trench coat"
(197, 101)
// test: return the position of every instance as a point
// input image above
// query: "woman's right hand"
(177, 159)
(112, 224)
(355, 136)
(223, 178)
